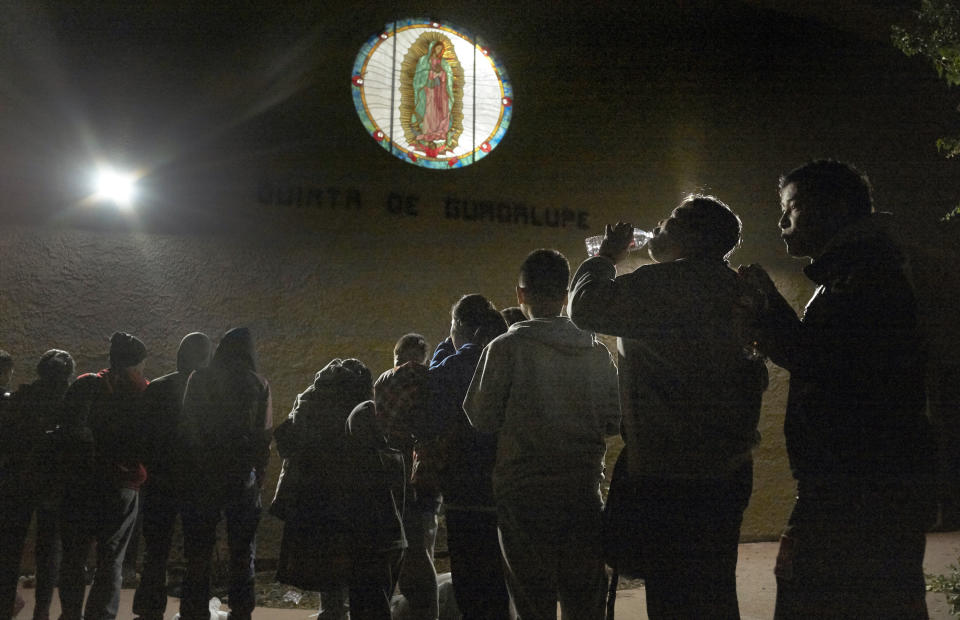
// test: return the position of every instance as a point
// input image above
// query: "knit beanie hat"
(126, 350)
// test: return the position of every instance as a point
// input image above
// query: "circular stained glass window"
(431, 94)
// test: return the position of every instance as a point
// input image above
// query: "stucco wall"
(307, 297)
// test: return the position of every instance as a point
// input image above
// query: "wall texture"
(71, 289)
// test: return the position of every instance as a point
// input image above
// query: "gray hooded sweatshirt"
(550, 390)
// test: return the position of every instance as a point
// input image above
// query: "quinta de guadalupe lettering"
(514, 213)
(410, 205)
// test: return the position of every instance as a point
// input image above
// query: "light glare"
(116, 187)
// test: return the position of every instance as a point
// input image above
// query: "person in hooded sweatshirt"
(160, 501)
(226, 425)
(30, 481)
(101, 418)
(550, 392)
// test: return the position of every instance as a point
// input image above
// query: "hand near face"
(616, 240)
(758, 281)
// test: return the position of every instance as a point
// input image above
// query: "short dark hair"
(55, 366)
(6, 361)
(544, 275)
(707, 225)
(476, 319)
(410, 348)
(513, 314)
(831, 180)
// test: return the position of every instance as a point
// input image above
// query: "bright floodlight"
(116, 187)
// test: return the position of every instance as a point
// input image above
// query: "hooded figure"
(227, 414)
(226, 425)
(315, 485)
(161, 410)
(161, 497)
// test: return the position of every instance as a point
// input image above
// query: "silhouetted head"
(699, 227)
(126, 351)
(410, 348)
(475, 320)
(344, 383)
(542, 287)
(513, 314)
(194, 352)
(56, 367)
(236, 350)
(817, 200)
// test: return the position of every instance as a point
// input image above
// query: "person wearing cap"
(30, 481)
(101, 423)
(161, 495)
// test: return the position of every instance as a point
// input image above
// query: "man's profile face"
(665, 246)
(802, 227)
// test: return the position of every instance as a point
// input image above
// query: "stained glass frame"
(460, 117)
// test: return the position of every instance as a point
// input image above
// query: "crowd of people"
(503, 431)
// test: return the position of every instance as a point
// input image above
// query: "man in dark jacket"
(226, 424)
(690, 398)
(160, 501)
(101, 418)
(30, 480)
(857, 436)
(468, 458)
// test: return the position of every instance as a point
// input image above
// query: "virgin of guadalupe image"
(433, 95)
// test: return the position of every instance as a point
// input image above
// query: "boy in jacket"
(550, 392)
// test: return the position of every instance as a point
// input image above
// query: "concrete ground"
(755, 583)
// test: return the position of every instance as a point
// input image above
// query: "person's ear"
(521, 295)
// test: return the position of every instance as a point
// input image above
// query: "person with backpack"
(858, 438)
(226, 426)
(100, 434)
(30, 480)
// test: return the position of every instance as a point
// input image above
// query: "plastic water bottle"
(640, 240)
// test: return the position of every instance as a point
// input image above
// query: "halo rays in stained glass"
(431, 94)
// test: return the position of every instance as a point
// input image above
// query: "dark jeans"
(854, 553)
(107, 516)
(369, 587)
(240, 505)
(160, 507)
(692, 532)
(552, 552)
(15, 517)
(15, 514)
(476, 565)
